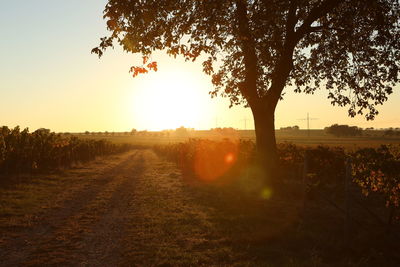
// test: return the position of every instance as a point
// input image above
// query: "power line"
(308, 122)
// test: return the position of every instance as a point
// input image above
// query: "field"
(300, 137)
(148, 207)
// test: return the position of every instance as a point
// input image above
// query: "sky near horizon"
(49, 79)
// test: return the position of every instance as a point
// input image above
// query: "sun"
(170, 99)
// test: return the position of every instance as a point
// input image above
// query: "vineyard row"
(22, 151)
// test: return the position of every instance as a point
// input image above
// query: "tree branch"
(291, 19)
(249, 90)
(316, 13)
(285, 63)
(324, 27)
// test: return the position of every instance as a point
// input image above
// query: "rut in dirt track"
(131, 214)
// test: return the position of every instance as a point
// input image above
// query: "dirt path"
(136, 209)
(132, 213)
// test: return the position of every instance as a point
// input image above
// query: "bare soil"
(130, 210)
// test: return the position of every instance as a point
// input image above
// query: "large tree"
(253, 49)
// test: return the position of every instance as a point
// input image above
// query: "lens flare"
(213, 159)
(229, 158)
(266, 193)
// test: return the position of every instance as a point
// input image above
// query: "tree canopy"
(253, 49)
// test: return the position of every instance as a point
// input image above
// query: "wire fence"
(352, 202)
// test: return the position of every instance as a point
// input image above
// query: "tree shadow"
(285, 227)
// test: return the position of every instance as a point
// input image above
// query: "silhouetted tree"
(253, 49)
(226, 131)
(290, 128)
(343, 130)
(181, 132)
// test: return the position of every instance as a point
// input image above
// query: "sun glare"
(170, 99)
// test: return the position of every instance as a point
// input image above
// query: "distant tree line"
(392, 132)
(290, 128)
(225, 131)
(343, 130)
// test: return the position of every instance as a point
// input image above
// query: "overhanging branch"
(316, 13)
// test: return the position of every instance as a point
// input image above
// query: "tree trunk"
(264, 122)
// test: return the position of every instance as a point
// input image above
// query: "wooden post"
(305, 185)
(390, 219)
(347, 184)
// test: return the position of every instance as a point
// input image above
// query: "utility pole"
(308, 123)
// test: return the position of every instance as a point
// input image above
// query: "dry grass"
(139, 210)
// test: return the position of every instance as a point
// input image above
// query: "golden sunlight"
(213, 160)
(170, 99)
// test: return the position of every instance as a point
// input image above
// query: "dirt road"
(132, 211)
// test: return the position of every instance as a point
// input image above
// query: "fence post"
(347, 184)
(390, 219)
(305, 172)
